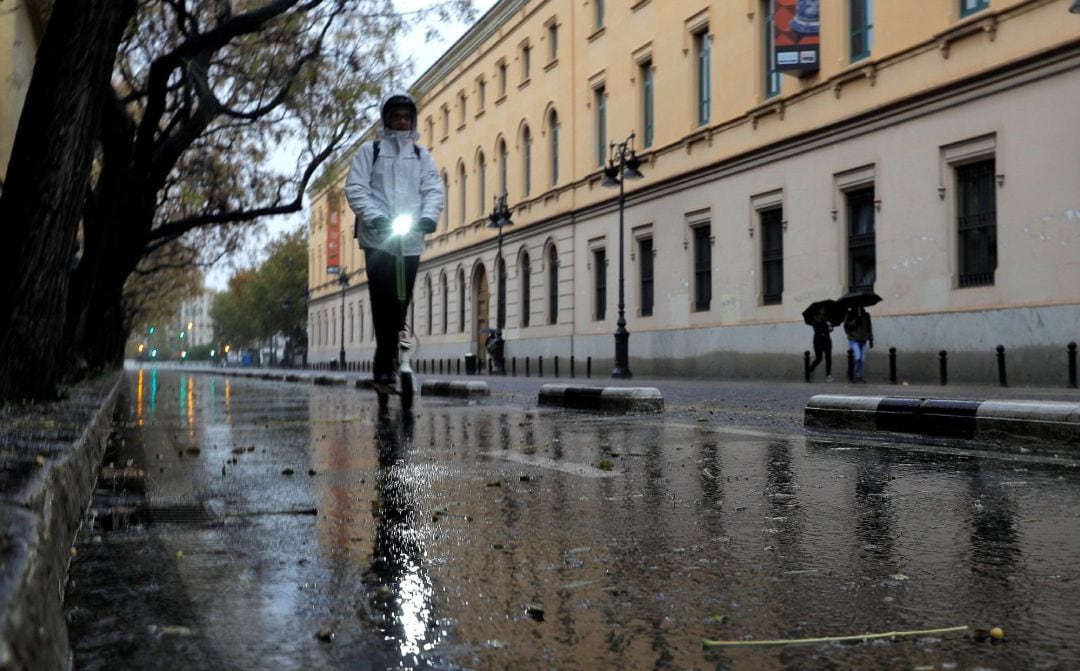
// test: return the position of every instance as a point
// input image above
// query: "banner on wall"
(333, 243)
(797, 39)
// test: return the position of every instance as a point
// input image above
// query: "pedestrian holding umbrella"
(859, 328)
(822, 316)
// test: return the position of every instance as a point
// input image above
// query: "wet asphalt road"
(286, 526)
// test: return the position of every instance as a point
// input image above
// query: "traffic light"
(151, 330)
(181, 334)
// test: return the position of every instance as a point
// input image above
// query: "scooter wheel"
(406, 391)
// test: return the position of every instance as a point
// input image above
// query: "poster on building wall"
(333, 243)
(797, 38)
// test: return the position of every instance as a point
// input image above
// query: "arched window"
(481, 176)
(526, 277)
(461, 300)
(504, 164)
(445, 304)
(500, 292)
(462, 190)
(446, 203)
(526, 162)
(553, 136)
(553, 284)
(430, 305)
(360, 316)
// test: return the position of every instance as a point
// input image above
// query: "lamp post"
(499, 217)
(623, 164)
(343, 280)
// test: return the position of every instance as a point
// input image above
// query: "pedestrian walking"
(822, 342)
(397, 195)
(860, 333)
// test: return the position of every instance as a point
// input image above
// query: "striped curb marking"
(604, 399)
(456, 388)
(950, 418)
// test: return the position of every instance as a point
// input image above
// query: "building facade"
(22, 25)
(195, 320)
(927, 151)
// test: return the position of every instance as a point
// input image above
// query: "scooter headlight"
(401, 225)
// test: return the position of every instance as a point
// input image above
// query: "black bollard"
(513, 366)
(571, 368)
(850, 365)
(459, 366)
(1002, 380)
(806, 365)
(526, 366)
(943, 364)
(440, 366)
(588, 367)
(556, 367)
(539, 366)
(892, 365)
(1072, 365)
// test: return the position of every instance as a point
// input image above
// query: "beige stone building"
(22, 24)
(926, 150)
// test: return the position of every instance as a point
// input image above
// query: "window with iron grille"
(600, 284)
(526, 280)
(862, 254)
(553, 285)
(702, 267)
(461, 301)
(976, 213)
(500, 290)
(862, 28)
(445, 305)
(645, 254)
(772, 255)
(430, 307)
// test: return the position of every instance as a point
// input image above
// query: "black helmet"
(398, 101)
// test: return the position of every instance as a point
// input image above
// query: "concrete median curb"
(603, 399)
(456, 389)
(1049, 421)
(51, 454)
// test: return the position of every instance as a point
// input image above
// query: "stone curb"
(1050, 421)
(38, 524)
(455, 388)
(603, 399)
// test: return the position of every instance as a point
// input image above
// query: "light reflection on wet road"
(506, 537)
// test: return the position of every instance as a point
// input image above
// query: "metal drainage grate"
(178, 512)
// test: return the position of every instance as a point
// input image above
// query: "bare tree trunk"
(45, 189)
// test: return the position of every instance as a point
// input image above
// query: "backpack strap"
(375, 151)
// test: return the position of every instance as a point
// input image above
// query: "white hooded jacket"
(402, 181)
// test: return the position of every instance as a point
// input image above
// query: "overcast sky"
(423, 54)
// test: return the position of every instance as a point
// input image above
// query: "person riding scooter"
(393, 179)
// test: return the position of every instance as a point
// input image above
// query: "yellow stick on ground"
(829, 639)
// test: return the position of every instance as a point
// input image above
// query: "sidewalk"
(51, 454)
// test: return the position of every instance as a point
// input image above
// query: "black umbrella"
(833, 312)
(860, 299)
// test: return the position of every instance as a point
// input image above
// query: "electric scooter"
(400, 226)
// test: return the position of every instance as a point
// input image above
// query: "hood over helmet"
(397, 98)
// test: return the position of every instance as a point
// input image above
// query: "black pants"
(822, 347)
(387, 313)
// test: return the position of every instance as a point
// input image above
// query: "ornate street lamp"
(343, 280)
(499, 217)
(623, 164)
